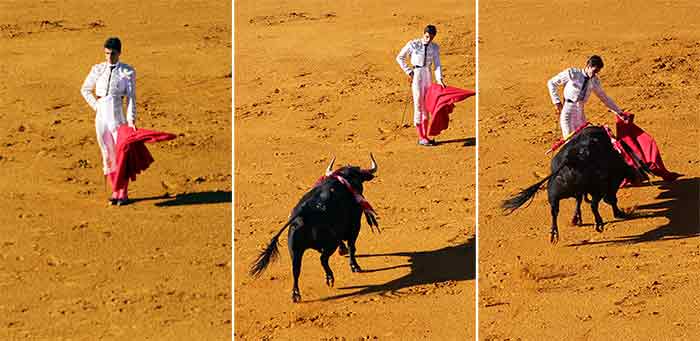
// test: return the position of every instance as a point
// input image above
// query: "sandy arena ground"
(315, 78)
(71, 267)
(639, 279)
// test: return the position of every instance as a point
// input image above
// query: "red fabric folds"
(644, 147)
(132, 155)
(440, 102)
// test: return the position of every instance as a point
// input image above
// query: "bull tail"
(524, 196)
(527, 194)
(269, 254)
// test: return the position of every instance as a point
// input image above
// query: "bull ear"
(329, 169)
(373, 167)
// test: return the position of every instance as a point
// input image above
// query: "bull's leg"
(354, 267)
(595, 201)
(296, 256)
(611, 199)
(342, 249)
(325, 255)
(577, 220)
(554, 232)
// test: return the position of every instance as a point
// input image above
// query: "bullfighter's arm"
(88, 86)
(598, 91)
(401, 58)
(438, 65)
(556, 81)
(131, 98)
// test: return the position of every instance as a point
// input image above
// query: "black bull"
(325, 216)
(587, 165)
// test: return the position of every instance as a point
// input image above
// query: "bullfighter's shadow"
(467, 142)
(198, 198)
(451, 263)
(678, 202)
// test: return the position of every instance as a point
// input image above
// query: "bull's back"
(584, 165)
(328, 207)
(591, 145)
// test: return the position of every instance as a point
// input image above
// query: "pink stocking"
(421, 133)
(111, 179)
(124, 191)
(424, 124)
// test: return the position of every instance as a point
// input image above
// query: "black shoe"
(426, 143)
(123, 202)
(113, 201)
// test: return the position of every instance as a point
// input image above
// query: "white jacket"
(573, 79)
(415, 49)
(111, 85)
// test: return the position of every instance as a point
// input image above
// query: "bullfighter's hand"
(624, 118)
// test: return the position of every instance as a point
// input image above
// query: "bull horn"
(373, 167)
(329, 170)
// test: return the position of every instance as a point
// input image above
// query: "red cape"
(132, 155)
(440, 102)
(644, 147)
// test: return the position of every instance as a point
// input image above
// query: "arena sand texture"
(71, 267)
(315, 79)
(639, 279)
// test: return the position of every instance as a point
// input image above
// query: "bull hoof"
(296, 296)
(554, 238)
(355, 268)
(620, 215)
(599, 227)
(330, 280)
(576, 221)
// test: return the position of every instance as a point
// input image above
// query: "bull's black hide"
(325, 217)
(587, 165)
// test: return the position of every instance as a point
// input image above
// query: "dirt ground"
(315, 79)
(70, 266)
(639, 279)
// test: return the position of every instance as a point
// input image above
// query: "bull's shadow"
(451, 263)
(678, 202)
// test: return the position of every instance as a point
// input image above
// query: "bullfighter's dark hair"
(113, 43)
(595, 61)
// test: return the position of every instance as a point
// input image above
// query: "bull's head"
(355, 175)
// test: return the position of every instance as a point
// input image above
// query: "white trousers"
(419, 88)
(108, 118)
(571, 118)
